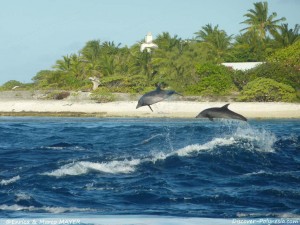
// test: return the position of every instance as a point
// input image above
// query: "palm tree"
(285, 36)
(92, 51)
(217, 40)
(143, 62)
(68, 73)
(92, 70)
(71, 65)
(248, 47)
(166, 42)
(63, 64)
(108, 65)
(214, 36)
(109, 47)
(76, 68)
(206, 33)
(260, 22)
(91, 54)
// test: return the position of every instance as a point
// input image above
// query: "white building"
(242, 65)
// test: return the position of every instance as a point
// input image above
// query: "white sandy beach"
(172, 109)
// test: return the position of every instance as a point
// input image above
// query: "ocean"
(151, 168)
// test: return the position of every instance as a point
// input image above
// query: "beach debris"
(15, 87)
(95, 81)
(61, 95)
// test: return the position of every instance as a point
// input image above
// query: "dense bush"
(212, 80)
(9, 85)
(241, 78)
(48, 79)
(207, 69)
(215, 84)
(278, 72)
(267, 90)
(289, 56)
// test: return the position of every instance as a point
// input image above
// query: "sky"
(36, 33)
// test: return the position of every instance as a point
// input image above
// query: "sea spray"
(255, 139)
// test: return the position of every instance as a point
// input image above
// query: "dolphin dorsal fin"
(225, 106)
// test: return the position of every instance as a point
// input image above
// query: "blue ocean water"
(162, 167)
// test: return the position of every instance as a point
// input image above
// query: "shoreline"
(165, 109)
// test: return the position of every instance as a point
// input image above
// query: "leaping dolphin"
(220, 112)
(154, 97)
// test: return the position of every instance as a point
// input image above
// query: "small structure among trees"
(242, 65)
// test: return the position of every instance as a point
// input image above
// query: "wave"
(10, 181)
(22, 197)
(207, 146)
(83, 167)
(245, 138)
(290, 175)
(48, 209)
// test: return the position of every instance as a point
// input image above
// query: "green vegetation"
(58, 95)
(289, 56)
(267, 90)
(278, 72)
(102, 95)
(10, 85)
(212, 80)
(190, 66)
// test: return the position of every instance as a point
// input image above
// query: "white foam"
(78, 148)
(22, 196)
(83, 167)
(16, 207)
(255, 173)
(10, 181)
(207, 146)
(260, 140)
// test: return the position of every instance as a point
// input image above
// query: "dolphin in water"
(154, 97)
(220, 112)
